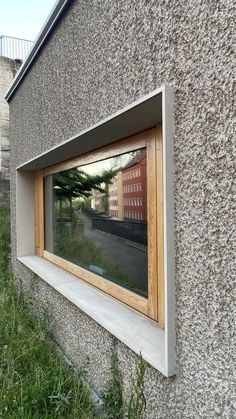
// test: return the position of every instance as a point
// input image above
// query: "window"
(137, 331)
(72, 203)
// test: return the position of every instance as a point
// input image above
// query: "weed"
(34, 282)
(112, 394)
(137, 402)
(114, 406)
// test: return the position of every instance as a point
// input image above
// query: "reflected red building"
(135, 187)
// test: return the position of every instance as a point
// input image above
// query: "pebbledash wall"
(100, 57)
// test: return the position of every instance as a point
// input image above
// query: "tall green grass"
(4, 239)
(35, 380)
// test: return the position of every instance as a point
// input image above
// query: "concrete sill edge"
(135, 330)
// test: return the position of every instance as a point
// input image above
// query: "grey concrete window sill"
(135, 330)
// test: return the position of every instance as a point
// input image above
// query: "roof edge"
(40, 40)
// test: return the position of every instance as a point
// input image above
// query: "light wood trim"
(39, 214)
(160, 226)
(152, 225)
(111, 150)
(154, 305)
(116, 291)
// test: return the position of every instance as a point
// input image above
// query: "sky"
(107, 164)
(24, 18)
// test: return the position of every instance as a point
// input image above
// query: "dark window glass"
(92, 218)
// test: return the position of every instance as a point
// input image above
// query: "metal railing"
(15, 48)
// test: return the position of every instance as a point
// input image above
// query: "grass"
(35, 380)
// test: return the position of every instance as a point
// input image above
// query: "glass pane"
(96, 217)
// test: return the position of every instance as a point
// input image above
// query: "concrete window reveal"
(100, 228)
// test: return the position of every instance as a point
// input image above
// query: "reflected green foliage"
(77, 183)
(63, 209)
(95, 219)
(85, 253)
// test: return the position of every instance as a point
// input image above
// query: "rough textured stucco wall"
(102, 56)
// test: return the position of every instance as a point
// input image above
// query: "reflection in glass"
(96, 217)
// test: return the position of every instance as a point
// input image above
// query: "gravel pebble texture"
(102, 56)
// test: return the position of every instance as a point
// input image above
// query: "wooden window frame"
(153, 306)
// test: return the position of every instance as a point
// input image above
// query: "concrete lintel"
(136, 117)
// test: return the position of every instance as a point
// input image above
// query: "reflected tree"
(75, 183)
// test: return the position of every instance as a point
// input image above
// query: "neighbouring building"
(8, 68)
(116, 197)
(98, 201)
(103, 79)
(134, 188)
(12, 52)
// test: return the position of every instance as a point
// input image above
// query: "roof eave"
(38, 44)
